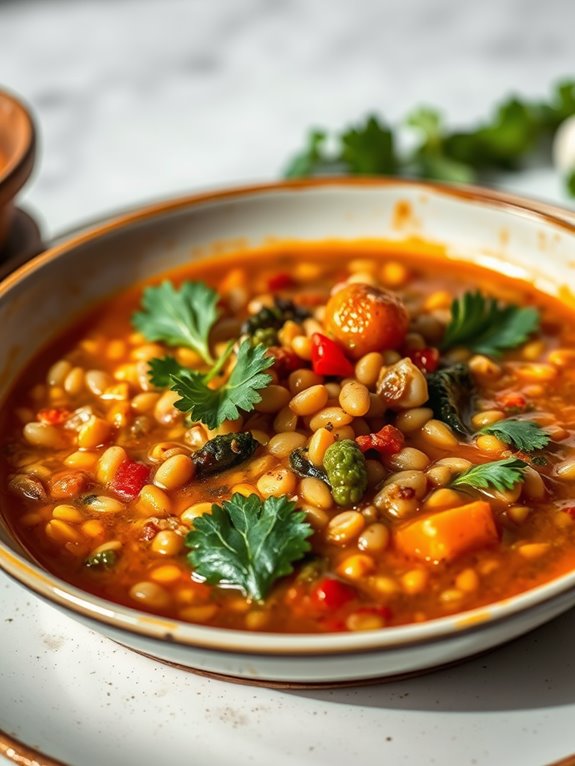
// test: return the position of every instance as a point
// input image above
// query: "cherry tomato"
(365, 318)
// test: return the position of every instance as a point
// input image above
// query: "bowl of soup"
(17, 152)
(312, 432)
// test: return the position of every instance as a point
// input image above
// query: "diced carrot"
(447, 534)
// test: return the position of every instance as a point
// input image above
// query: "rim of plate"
(23, 755)
(129, 620)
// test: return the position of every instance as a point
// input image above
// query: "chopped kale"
(451, 395)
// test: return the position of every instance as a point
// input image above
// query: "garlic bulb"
(564, 146)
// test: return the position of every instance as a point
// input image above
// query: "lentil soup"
(321, 439)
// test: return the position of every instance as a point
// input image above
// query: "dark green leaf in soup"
(302, 466)
(451, 395)
(223, 452)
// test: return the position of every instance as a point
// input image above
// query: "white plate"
(81, 698)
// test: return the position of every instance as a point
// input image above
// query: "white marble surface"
(140, 99)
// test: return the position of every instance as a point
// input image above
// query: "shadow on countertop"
(532, 672)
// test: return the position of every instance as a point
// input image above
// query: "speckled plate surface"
(82, 700)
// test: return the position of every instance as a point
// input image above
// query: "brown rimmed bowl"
(43, 297)
(17, 154)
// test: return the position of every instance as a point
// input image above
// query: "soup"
(302, 439)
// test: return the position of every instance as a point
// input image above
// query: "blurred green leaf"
(517, 130)
(369, 149)
(309, 160)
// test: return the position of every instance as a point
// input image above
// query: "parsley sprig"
(524, 435)
(517, 130)
(185, 317)
(248, 543)
(487, 327)
(212, 406)
(499, 474)
(181, 317)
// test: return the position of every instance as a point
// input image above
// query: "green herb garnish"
(499, 474)
(248, 543)
(524, 435)
(212, 406)
(160, 371)
(181, 317)
(485, 326)
(517, 130)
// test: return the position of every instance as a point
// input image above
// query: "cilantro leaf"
(499, 474)
(248, 543)
(570, 183)
(487, 327)
(181, 317)
(240, 392)
(524, 435)
(160, 371)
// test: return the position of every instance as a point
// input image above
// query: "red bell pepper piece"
(330, 593)
(427, 359)
(129, 479)
(387, 441)
(281, 281)
(54, 416)
(327, 357)
(512, 402)
(286, 360)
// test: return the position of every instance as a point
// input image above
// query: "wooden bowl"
(17, 153)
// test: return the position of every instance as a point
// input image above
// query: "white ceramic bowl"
(43, 297)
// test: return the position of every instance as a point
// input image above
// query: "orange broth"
(377, 582)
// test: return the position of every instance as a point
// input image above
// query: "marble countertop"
(140, 100)
(137, 100)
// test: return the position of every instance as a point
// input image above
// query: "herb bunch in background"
(516, 131)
